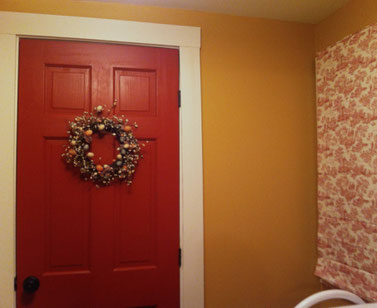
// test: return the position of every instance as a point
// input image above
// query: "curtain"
(346, 85)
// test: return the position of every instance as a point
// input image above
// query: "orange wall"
(354, 16)
(259, 149)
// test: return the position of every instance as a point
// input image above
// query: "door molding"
(187, 40)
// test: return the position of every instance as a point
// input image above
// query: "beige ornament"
(99, 108)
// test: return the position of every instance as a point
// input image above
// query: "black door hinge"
(15, 283)
(179, 257)
(179, 98)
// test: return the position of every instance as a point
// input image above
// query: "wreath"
(78, 151)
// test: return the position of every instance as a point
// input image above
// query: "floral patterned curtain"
(346, 76)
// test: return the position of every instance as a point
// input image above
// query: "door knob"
(31, 284)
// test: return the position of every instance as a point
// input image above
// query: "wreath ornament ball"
(78, 151)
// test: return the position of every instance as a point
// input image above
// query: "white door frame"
(187, 40)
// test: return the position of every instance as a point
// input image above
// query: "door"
(114, 246)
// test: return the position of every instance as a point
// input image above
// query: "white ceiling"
(309, 11)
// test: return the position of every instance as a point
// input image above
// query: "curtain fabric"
(346, 84)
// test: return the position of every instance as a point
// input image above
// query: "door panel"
(116, 246)
(136, 91)
(136, 241)
(67, 89)
(66, 248)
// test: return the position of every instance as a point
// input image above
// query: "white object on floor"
(327, 295)
(372, 305)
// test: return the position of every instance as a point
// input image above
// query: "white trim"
(187, 39)
(97, 29)
(191, 177)
(8, 86)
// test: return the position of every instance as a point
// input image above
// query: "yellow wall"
(354, 16)
(259, 149)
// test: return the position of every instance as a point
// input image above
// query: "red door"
(109, 247)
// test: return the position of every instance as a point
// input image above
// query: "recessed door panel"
(67, 89)
(136, 244)
(136, 91)
(67, 219)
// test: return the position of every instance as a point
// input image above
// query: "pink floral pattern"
(346, 76)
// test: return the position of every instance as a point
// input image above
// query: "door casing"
(187, 40)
